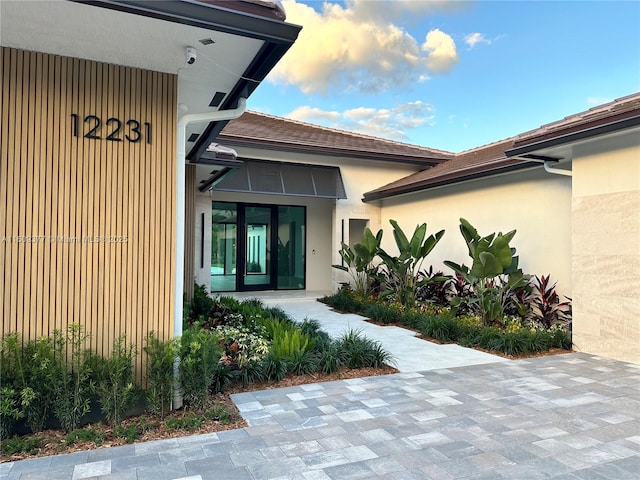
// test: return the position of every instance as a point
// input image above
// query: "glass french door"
(256, 251)
(257, 247)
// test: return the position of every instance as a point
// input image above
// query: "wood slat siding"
(62, 189)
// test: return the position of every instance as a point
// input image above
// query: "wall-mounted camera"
(190, 56)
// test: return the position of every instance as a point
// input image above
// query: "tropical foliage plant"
(358, 261)
(547, 308)
(493, 274)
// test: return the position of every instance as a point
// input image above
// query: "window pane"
(291, 248)
(223, 247)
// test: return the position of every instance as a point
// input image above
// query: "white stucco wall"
(606, 247)
(533, 202)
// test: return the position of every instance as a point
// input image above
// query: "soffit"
(105, 35)
(153, 35)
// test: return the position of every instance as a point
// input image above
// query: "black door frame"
(272, 253)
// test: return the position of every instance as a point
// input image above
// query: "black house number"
(115, 130)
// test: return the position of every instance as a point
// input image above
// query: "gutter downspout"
(556, 171)
(178, 293)
(547, 165)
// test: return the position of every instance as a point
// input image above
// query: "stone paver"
(563, 417)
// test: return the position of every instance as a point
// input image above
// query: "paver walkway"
(411, 353)
(566, 417)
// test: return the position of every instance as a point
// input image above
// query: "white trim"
(219, 115)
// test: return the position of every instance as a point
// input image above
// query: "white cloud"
(357, 47)
(392, 123)
(311, 114)
(476, 38)
(441, 50)
(596, 101)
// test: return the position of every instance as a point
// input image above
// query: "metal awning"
(281, 178)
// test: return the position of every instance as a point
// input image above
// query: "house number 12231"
(114, 129)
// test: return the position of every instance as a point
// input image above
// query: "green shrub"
(74, 385)
(220, 413)
(512, 343)
(200, 352)
(345, 300)
(41, 372)
(560, 338)
(412, 318)
(189, 422)
(443, 328)
(132, 432)
(331, 359)
(31, 370)
(223, 376)
(321, 339)
(243, 344)
(287, 339)
(383, 313)
(199, 307)
(277, 313)
(161, 356)
(85, 435)
(303, 363)
(252, 372)
(115, 385)
(360, 351)
(10, 411)
(11, 446)
(274, 367)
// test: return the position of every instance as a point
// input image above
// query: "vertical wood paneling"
(64, 191)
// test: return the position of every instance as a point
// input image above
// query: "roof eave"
(531, 145)
(207, 16)
(445, 181)
(424, 161)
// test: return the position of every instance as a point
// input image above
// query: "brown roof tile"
(467, 165)
(254, 129)
(491, 159)
(620, 109)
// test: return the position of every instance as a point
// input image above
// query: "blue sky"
(452, 75)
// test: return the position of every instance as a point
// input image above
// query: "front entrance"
(257, 247)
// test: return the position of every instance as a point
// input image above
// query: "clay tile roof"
(254, 129)
(493, 158)
(466, 165)
(618, 110)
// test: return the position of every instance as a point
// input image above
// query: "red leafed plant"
(547, 307)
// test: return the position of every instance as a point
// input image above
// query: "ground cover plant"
(492, 305)
(227, 346)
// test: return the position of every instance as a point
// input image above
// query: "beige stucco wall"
(535, 203)
(324, 217)
(606, 248)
